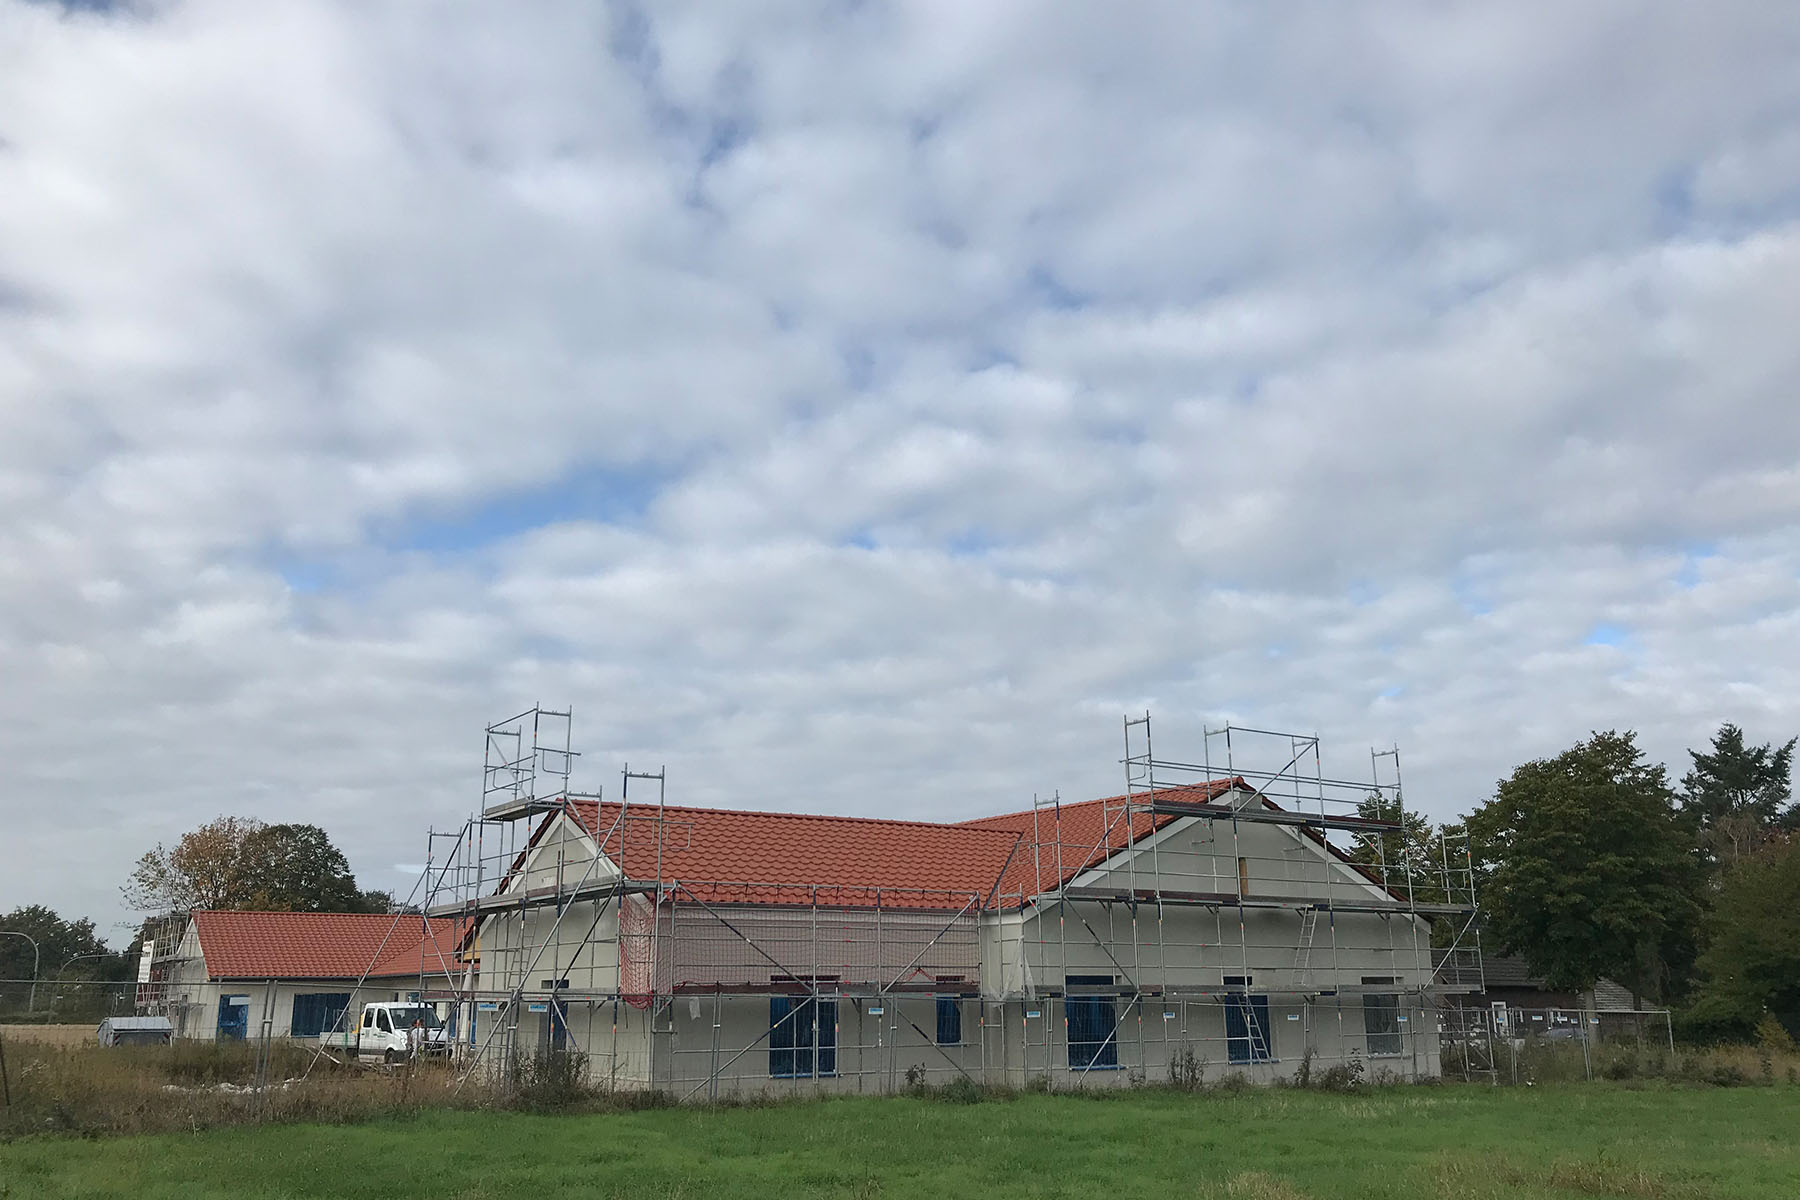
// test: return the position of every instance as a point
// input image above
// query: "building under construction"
(1243, 913)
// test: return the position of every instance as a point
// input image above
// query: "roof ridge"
(804, 816)
(289, 912)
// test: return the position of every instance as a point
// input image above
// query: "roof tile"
(739, 857)
(289, 945)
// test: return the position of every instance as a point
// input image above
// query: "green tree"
(295, 868)
(58, 941)
(1408, 861)
(1751, 964)
(200, 871)
(240, 863)
(70, 956)
(1738, 795)
(1587, 869)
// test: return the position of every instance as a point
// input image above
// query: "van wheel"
(390, 1057)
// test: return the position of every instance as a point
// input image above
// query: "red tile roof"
(737, 857)
(286, 945)
(727, 856)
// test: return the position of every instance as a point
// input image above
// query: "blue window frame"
(1246, 1024)
(1093, 1040)
(949, 1021)
(797, 1026)
(315, 1012)
(234, 1017)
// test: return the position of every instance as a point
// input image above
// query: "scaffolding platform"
(1150, 896)
(516, 810)
(537, 898)
(1270, 816)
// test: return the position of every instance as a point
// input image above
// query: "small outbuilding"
(136, 1031)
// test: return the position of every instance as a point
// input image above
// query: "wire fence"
(65, 1001)
(1526, 1045)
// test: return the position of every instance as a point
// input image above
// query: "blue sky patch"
(615, 496)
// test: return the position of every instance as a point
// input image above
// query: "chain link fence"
(65, 1001)
(1510, 1045)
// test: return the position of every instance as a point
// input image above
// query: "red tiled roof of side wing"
(286, 945)
(781, 858)
(433, 953)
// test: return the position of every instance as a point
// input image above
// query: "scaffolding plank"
(1268, 816)
(1233, 900)
(838, 990)
(537, 898)
(515, 810)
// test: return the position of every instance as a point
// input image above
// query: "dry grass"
(49, 1035)
(1259, 1185)
(84, 1089)
(1624, 1062)
(1490, 1177)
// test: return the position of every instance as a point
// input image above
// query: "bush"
(1725, 1075)
(1187, 1070)
(551, 1081)
(961, 1090)
(1343, 1077)
(1773, 1036)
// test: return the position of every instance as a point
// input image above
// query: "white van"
(383, 1029)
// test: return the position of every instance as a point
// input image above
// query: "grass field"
(1457, 1142)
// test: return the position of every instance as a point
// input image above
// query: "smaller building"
(237, 975)
(135, 1031)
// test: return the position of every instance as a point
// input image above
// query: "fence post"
(5, 1083)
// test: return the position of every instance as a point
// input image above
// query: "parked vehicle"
(383, 1033)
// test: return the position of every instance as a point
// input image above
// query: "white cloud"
(859, 407)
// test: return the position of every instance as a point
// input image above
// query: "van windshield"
(404, 1017)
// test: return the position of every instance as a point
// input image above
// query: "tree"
(240, 863)
(1588, 871)
(1738, 795)
(1751, 964)
(1408, 861)
(58, 941)
(295, 868)
(200, 872)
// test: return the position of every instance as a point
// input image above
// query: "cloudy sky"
(859, 406)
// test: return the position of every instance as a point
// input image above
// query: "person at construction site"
(415, 1037)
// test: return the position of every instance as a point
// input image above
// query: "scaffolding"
(1266, 912)
(162, 977)
(1247, 910)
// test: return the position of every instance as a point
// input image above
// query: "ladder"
(1260, 1049)
(1309, 924)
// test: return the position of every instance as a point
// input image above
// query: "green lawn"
(1455, 1141)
